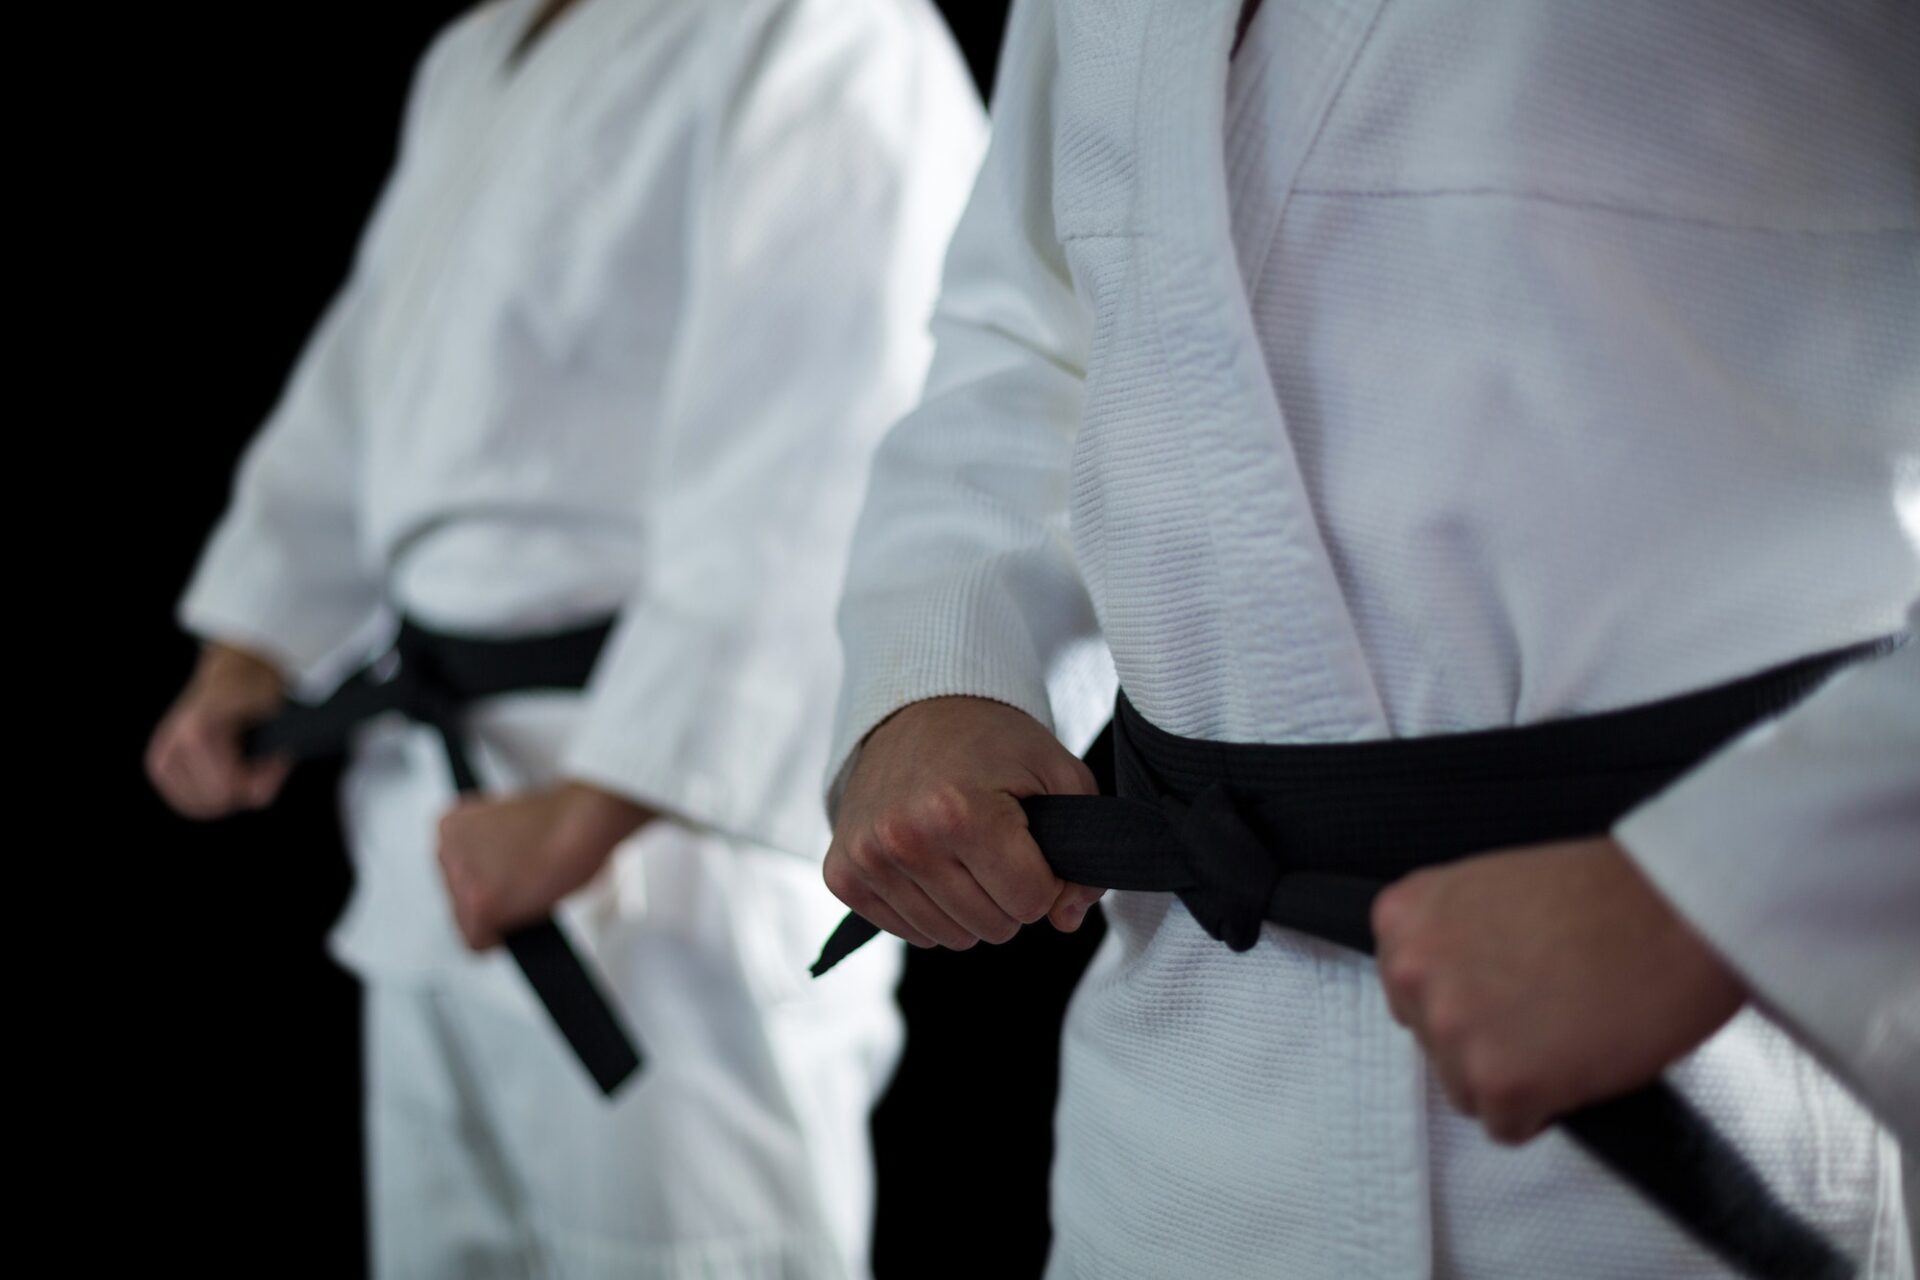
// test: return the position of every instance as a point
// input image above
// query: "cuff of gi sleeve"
(690, 718)
(306, 635)
(969, 641)
(1718, 847)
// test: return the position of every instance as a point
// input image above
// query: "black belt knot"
(1234, 870)
(1305, 835)
(405, 675)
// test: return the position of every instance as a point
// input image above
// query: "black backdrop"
(245, 152)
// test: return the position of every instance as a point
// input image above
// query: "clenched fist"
(194, 759)
(931, 843)
(1545, 978)
(508, 861)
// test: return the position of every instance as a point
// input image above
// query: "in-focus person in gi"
(1371, 373)
(646, 286)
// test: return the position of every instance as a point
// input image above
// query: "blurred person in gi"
(586, 428)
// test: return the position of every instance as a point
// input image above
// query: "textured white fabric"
(741, 1149)
(1797, 853)
(621, 335)
(1505, 361)
(1806, 832)
(743, 1155)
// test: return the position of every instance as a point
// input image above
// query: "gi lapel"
(1295, 652)
(1302, 672)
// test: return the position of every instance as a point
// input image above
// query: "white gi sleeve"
(814, 260)
(1796, 853)
(283, 574)
(963, 580)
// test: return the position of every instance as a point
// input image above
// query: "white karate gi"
(621, 336)
(1450, 364)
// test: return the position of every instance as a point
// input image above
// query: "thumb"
(1064, 774)
(1069, 910)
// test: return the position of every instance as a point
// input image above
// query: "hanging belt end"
(853, 933)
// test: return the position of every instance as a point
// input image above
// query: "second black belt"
(1305, 836)
(431, 677)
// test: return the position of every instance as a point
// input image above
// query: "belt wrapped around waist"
(1306, 836)
(431, 678)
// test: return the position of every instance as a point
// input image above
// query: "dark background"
(243, 157)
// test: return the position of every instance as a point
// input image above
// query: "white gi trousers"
(490, 1151)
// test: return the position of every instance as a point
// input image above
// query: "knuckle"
(944, 812)
(861, 852)
(1386, 914)
(481, 902)
(1446, 1023)
(897, 837)
(857, 897)
(197, 728)
(1404, 970)
(841, 879)
(1500, 1087)
(875, 855)
(1396, 908)
(1515, 1092)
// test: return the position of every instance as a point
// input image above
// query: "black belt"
(1306, 835)
(431, 678)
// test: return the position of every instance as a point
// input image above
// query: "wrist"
(594, 821)
(1712, 986)
(241, 668)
